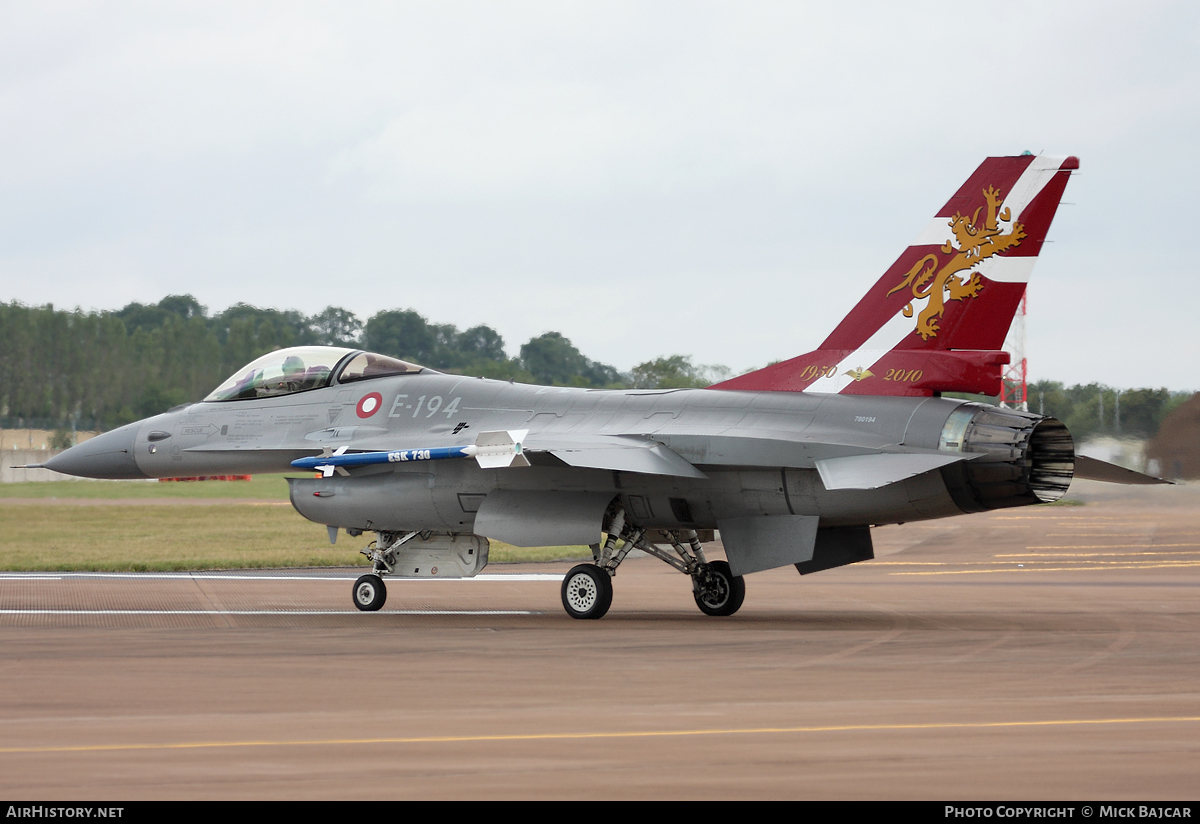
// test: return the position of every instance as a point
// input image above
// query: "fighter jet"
(792, 464)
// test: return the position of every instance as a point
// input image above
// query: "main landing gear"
(717, 590)
(587, 589)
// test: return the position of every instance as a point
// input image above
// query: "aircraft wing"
(616, 452)
(842, 466)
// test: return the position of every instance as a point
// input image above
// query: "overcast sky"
(721, 180)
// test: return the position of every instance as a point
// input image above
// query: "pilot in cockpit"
(293, 374)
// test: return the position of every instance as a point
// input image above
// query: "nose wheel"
(587, 592)
(369, 593)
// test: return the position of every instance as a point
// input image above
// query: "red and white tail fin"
(937, 319)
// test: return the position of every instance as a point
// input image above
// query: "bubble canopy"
(300, 368)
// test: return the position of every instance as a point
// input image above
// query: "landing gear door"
(441, 556)
(758, 542)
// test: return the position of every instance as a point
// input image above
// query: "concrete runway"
(1041, 653)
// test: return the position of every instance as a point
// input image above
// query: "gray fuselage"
(755, 453)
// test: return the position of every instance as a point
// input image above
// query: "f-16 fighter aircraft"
(793, 464)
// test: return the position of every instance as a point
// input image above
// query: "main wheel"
(369, 593)
(718, 590)
(587, 592)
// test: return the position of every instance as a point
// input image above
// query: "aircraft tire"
(369, 593)
(587, 592)
(721, 592)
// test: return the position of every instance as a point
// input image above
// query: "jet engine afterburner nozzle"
(1026, 458)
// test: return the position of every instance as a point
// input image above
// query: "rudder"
(937, 318)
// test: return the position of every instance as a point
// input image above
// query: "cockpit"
(301, 368)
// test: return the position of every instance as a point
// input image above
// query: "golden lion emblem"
(975, 244)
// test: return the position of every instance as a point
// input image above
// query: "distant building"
(1175, 451)
(1127, 452)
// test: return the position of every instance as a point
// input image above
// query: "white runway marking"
(234, 576)
(264, 612)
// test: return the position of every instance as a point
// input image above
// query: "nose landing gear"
(369, 592)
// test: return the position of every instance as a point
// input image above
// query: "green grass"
(52, 536)
(262, 487)
(110, 538)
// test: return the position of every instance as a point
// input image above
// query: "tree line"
(1095, 410)
(62, 369)
(99, 370)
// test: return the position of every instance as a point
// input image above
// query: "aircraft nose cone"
(106, 456)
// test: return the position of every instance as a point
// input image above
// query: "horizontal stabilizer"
(1092, 469)
(874, 471)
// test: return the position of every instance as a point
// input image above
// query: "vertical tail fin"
(937, 319)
